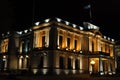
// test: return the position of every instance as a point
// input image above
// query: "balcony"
(100, 53)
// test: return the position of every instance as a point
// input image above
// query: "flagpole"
(90, 13)
(88, 7)
(33, 13)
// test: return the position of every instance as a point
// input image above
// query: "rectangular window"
(27, 46)
(60, 41)
(75, 44)
(43, 41)
(68, 43)
(23, 47)
(4, 45)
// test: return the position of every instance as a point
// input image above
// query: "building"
(117, 56)
(59, 47)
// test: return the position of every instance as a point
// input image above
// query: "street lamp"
(92, 64)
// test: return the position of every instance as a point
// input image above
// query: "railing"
(100, 53)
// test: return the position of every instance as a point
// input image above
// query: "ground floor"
(59, 62)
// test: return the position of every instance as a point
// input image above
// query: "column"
(66, 62)
(81, 63)
(109, 66)
(73, 62)
(47, 37)
(90, 44)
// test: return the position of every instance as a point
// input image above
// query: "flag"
(87, 6)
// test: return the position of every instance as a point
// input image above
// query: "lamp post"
(92, 64)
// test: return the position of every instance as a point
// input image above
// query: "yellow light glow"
(92, 62)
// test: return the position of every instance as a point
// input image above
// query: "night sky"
(21, 14)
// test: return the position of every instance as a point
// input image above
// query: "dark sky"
(20, 14)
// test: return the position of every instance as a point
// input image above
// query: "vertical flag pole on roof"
(88, 7)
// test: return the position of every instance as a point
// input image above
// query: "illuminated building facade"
(117, 56)
(59, 47)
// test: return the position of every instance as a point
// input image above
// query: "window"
(76, 64)
(69, 63)
(4, 45)
(61, 63)
(92, 46)
(41, 62)
(23, 47)
(60, 41)
(43, 41)
(68, 43)
(75, 44)
(28, 46)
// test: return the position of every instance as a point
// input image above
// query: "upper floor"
(58, 34)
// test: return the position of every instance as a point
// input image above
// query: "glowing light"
(66, 71)
(19, 32)
(8, 32)
(105, 37)
(81, 28)
(105, 72)
(30, 29)
(102, 73)
(74, 71)
(113, 40)
(44, 71)
(66, 48)
(2, 34)
(35, 71)
(37, 23)
(67, 23)
(25, 31)
(74, 50)
(4, 57)
(21, 57)
(58, 19)
(110, 73)
(108, 38)
(81, 71)
(27, 56)
(58, 47)
(74, 25)
(114, 72)
(57, 71)
(92, 62)
(47, 20)
(90, 26)
(80, 51)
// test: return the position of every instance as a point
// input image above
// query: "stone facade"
(59, 47)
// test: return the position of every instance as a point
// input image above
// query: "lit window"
(43, 41)
(60, 41)
(4, 45)
(75, 44)
(68, 43)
